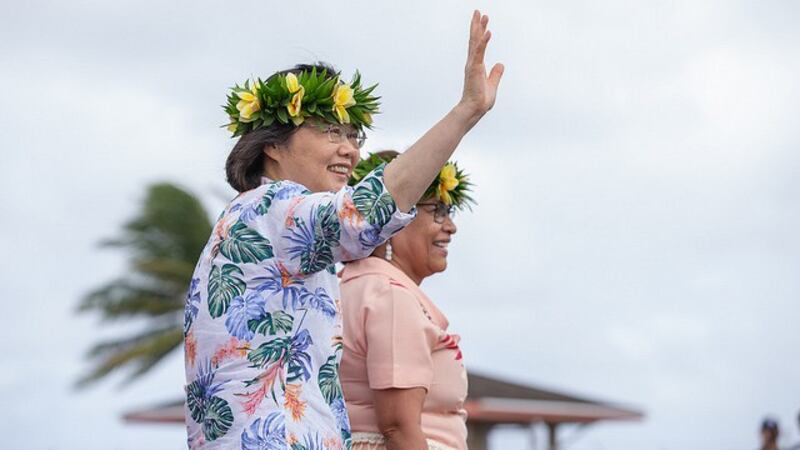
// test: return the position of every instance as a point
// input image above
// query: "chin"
(336, 185)
(439, 265)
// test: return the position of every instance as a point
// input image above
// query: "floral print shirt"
(262, 324)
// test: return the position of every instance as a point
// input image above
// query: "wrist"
(468, 113)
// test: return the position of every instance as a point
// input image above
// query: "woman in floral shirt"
(263, 331)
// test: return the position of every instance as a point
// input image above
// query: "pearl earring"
(388, 255)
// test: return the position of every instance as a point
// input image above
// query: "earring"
(388, 255)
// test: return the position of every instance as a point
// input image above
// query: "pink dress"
(395, 337)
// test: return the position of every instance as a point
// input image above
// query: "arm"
(408, 176)
(399, 414)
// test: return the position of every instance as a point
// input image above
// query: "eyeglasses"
(440, 211)
(337, 135)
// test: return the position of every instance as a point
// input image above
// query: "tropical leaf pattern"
(212, 412)
(268, 433)
(373, 201)
(245, 245)
(223, 285)
(192, 307)
(261, 307)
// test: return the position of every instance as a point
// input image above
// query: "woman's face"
(421, 248)
(319, 159)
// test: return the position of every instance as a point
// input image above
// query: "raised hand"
(409, 176)
(480, 90)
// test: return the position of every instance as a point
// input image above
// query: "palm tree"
(164, 242)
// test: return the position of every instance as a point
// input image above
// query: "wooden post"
(552, 436)
(478, 436)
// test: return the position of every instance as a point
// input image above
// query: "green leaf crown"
(292, 97)
(451, 186)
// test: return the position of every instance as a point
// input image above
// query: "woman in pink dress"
(401, 371)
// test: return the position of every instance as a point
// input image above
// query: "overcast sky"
(636, 235)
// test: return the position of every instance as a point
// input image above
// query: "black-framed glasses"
(440, 211)
(337, 135)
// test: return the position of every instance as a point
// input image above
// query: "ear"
(273, 152)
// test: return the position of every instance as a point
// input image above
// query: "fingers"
(480, 49)
(477, 32)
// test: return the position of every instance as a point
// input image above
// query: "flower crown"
(450, 187)
(290, 97)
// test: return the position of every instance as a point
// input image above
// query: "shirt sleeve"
(399, 340)
(313, 231)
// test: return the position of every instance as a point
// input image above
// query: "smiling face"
(420, 250)
(311, 159)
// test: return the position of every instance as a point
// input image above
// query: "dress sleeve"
(399, 340)
(313, 231)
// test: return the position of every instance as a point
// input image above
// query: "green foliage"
(270, 352)
(218, 418)
(329, 380)
(271, 323)
(318, 101)
(460, 195)
(245, 245)
(375, 204)
(163, 242)
(223, 286)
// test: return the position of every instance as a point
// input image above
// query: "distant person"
(402, 371)
(769, 434)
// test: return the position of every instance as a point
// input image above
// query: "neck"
(407, 269)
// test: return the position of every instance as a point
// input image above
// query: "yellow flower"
(292, 83)
(447, 182)
(249, 104)
(297, 102)
(343, 99)
(367, 118)
(232, 127)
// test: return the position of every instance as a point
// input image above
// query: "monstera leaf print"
(268, 433)
(328, 380)
(375, 204)
(327, 224)
(218, 419)
(223, 286)
(320, 301)
(212, 412)
(266, 201)
(271, 323)
(243, 309)
(245, 245)
(270, 352)
(290, 350)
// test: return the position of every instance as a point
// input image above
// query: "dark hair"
(245, 164)
(770, 425)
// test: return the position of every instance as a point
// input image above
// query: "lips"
(442, 244)
(340, 169)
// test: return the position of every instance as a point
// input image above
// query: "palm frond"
(142, 351)
(163, 241)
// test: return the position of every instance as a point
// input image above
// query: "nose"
(448, 226)
(350, 151)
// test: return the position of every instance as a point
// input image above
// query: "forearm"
(408, 176)
(405, 438)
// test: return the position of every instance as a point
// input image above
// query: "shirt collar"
(373, 265)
